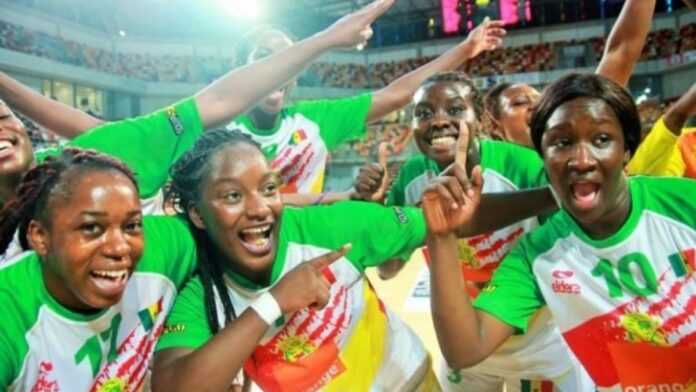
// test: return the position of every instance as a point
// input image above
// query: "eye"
(91, 229)
(561, 142)
(455, 111)
(270, 189)
(423, 114)
(135, 226)
(232, 197)
(602, 139)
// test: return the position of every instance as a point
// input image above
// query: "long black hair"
(188, 174)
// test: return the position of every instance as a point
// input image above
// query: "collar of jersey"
(247, 121)
(624, 231)
(61, 310)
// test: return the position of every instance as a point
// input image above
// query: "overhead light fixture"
(122, 33)
(248, 9)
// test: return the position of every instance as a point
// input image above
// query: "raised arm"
(62, 119)
(240, 89)
(487, 36)
(680, 111)
(626, 40)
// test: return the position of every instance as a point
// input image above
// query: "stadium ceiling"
(403, 11)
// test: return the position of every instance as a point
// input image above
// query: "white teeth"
(443, 140)
(257, 230)
(120, 274)
(5, 144)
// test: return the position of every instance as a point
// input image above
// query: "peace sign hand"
(451, 200)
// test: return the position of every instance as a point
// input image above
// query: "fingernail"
(347, 247)
(455, 206)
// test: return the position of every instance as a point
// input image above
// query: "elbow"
(455, 359)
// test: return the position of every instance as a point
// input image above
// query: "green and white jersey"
(354, 343)
(148, 144)
(506, 167)
(305, 132)
(47, 347)
(624, 303)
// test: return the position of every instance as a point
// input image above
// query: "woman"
(613, 266)
(247, 241)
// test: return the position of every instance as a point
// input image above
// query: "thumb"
(462, 145)
(477, 179)
(327, 259)
(377, 8)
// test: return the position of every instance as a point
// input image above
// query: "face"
(15, 147)
(439, 107)
(240, 209)
(584, 154)
(268, 45)
(515, 107)
(93, 240)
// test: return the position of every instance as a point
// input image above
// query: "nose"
(116, 246)
(582, 160)
(256, 207)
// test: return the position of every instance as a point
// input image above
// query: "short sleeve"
(186, 325)
(170, 248)
(339, 120)
(512, 296)
(7, 364)
(377, 233)
(522, 166)
(656, 152)
(148, 144)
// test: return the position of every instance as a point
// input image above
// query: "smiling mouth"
(112, 282)
(257, 240)
(442, 139)
(7, 148)
(585, 194)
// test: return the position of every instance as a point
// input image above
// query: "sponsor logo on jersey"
(43, 380)
(174, 121)
(298, 137)
(401, 215)
(561, 283)
(660, 388)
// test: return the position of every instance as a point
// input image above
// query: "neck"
(261, 119)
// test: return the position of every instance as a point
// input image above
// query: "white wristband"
(267, 308)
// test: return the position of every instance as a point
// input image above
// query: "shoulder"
(544, 237)
(669, 196)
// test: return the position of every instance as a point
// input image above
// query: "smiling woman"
(92, 294)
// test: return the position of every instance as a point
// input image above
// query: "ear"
(626, 158)
(195, 217)
(38, 237)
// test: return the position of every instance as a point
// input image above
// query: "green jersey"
(148, 144)
(353, 343)
(47, 347)
(624, 304)
(299, 144)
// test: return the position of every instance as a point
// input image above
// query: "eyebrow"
(102, 213)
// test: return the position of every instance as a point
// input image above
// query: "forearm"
(677, 114)
(626, 40)
(62, 119)
(456, 321)
(214, 366)
(240, 89)
(498, 210)
(399, 92)
(309, 199)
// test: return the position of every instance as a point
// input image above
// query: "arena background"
(121, 58)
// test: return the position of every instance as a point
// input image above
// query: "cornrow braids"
(36, 186)
(459, 77)
(492, 99)
(188, 174)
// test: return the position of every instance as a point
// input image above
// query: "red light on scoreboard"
(450, 16)
(510, 11)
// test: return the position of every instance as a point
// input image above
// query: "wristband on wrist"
(267, 308)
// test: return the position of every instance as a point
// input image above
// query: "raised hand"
(486, 36)
(373, 179)
(354, 29)
(451, 199)
(309, 284)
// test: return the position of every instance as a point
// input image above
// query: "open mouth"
(7, 148)
(257, 240)
(585, 194)
(442, 139)
(111, 282)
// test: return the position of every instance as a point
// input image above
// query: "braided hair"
(459, 77)
(188, 174)
(39, 183)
